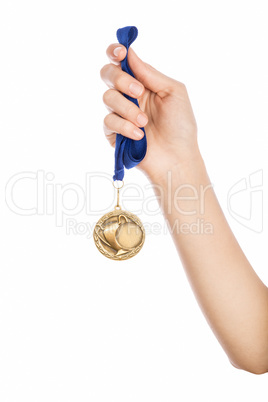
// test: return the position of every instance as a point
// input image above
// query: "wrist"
(183, 191)
(180, 167)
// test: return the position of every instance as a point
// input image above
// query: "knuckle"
(178, 88)
(107, 96)
(126, 127)
(181, 86)
(107, 121)
(103, 70)
(130, 110)
(119, 80)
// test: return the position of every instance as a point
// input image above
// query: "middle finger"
(114, 77)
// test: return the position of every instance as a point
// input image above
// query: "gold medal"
(119, 234)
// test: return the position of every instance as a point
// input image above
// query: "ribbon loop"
(128, 152)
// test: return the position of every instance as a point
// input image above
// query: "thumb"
(151, 78)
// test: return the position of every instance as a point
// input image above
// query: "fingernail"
(141, 120)
(138, 133)
(135, 89)
(117, 51)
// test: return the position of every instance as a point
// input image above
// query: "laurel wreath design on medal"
(119, 234)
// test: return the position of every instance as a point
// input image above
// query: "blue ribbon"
(128, 152)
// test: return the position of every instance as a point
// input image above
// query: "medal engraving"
(119, 234)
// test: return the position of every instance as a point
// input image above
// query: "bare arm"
(231, 295)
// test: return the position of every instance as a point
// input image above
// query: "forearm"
(231, 295)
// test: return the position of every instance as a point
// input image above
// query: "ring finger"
(118, 104)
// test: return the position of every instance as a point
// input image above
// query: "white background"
(75, 326)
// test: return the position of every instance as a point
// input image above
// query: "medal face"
(119, 234)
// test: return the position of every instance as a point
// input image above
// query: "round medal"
(119, 234)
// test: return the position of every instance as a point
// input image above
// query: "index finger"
(116, 52)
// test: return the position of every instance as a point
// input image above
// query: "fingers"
(114, 77)
(118, 104)
(148, 76)
(126, 117)
(116, 124)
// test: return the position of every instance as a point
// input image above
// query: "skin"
(231, 296)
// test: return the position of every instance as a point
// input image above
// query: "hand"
(165, 112)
